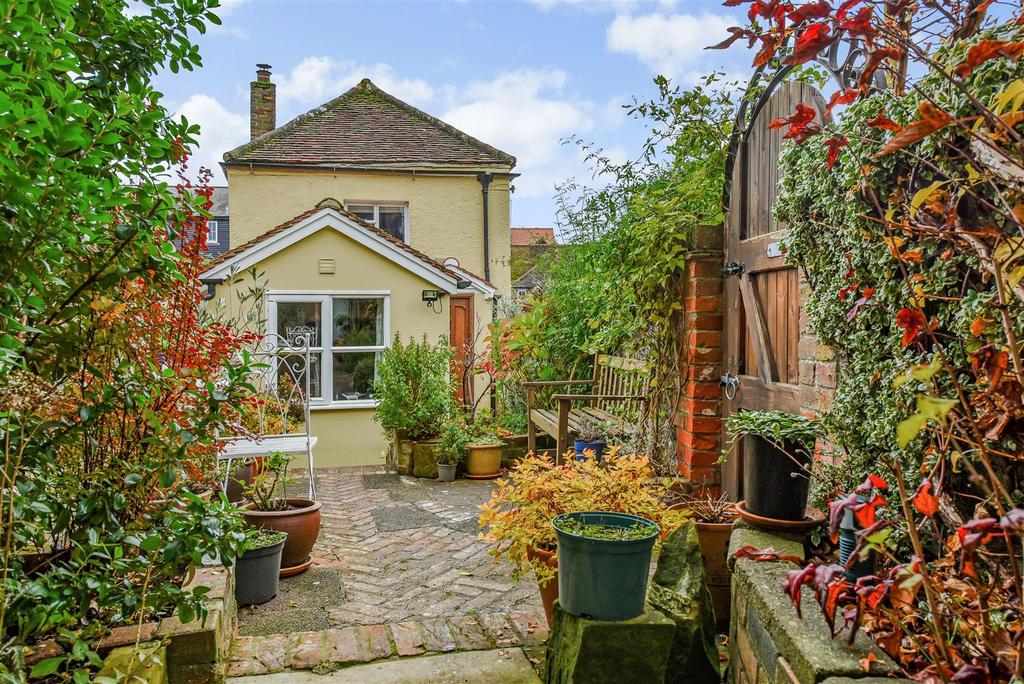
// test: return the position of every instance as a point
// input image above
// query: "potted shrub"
(258, 567)
(414, 399)
(484, 447)
(777, 454)
(450, 449)
(592, 435)
(603, 562)
(299, 517)
(713, 518)
(517, 518)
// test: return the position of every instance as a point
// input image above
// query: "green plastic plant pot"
(603, 579)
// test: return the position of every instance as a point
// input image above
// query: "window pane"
(363, 211)
(211, 232)
(295, 319)
(392, 219)
(291, 377)
(353, 375)
(358, 322)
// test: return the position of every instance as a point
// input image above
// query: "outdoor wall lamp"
(432, 298)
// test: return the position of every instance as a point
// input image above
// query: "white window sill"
(354, 404)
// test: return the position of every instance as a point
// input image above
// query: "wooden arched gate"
(762, 294)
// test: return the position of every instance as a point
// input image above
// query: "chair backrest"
(618, 375)
(282, 386)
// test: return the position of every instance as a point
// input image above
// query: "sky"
(521, 75)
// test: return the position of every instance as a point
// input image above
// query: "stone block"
(424, 459)
(679, 591)
(745, 535)
(402, 455)
(146, 664)
(583, 651)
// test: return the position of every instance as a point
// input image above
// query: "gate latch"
(733, 268)
(730, 385)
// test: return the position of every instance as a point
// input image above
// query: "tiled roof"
(219, 199)
(533, 236)
(306, 214)
(367, 127)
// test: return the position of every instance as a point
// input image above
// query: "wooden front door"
(461, 336)
(762, 293)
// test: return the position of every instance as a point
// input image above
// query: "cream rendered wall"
(445, 212)
(350, 436)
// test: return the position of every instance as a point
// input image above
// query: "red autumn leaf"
(809, 43)
(986, 50)
(875, 59)
(765, 554)
(994, 362)
(737, 33)
(795, 580)
(836, 510)
(734, 3)
(885, 123)
(865, 512)
(877, 482)
(769, 44)
(978, 326)
(931, 119)
(775, 10)
(801, 124)
(845, 96)
(866, 294)
(924, 501)
(834, 145)
(847, 291)
(912, 322)
(845, 8)
(812, 10)
(860, 23)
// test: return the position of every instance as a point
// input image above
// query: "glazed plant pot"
(446, 471)
(483, 460)
(257, 573)
(597, 447)
(603, 579)
(549, 589)
(302, 523)
(775, 482)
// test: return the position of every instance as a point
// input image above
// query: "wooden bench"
(619, 383)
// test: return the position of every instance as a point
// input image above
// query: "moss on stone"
(745, 535)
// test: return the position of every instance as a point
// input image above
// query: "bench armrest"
(555, 383)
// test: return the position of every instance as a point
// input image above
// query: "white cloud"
(599, 5)
(670, 44)
(220, 131)
(526, 112)
(316, 80)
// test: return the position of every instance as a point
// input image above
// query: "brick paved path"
(399, 571)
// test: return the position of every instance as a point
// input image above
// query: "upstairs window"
(391, 218)
(212, 233)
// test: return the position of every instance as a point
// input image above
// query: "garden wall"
(770, 644)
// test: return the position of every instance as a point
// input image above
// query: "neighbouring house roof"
(294, 230)
(366, 127)
(522, 237)
(529, 281)
(219, 197)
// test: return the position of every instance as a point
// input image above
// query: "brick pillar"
(699, 422)
(262, 103)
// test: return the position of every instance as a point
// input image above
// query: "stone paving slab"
(381, 589)
(507, 666)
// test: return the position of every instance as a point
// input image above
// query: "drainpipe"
(485, 183)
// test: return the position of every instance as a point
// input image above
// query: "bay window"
(346, 332)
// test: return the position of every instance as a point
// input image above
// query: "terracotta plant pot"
(549, 589)
(483, 461)
(241, 477)
(302, 523)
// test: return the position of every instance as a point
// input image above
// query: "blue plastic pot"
(597, 447)
(603, 579)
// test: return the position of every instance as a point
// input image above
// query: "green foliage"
(260, 538)
(606, 532)
(777, 427)
(616, 287)
(413, 388)
(451, 447)
(268, 489)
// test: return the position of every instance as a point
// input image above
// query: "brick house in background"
(527, 245)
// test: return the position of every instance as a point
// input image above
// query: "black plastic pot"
(775, 482)
(597, 447)
(257, 574)
(603, 579)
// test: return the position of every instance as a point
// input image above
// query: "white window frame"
(404, 206)
(326, 299)
(213, 232)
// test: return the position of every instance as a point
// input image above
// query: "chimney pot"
(262, 103)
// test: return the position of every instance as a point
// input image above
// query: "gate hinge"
(733, 268)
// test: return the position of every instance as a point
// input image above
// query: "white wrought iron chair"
(281, 416)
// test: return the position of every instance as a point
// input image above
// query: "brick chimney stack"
(262, 103)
